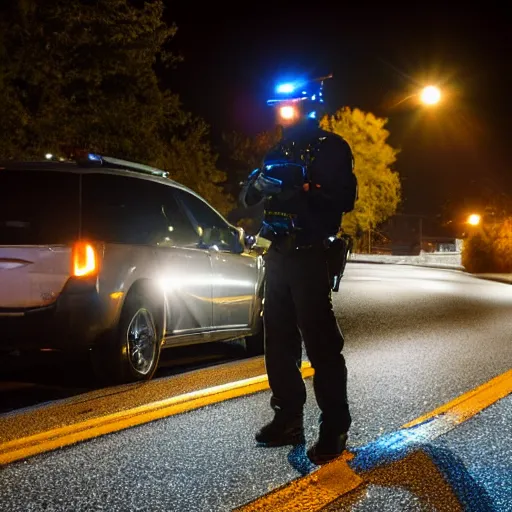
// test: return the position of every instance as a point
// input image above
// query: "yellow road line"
(311, 492)
(467, 405)
(88, 429)
(317, 490)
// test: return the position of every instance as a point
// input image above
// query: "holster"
(336, 253)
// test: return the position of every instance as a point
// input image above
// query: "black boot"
(330, 445)
(284, 429)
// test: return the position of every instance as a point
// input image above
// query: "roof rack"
(94, 160)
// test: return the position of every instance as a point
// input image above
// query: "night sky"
(454, 153)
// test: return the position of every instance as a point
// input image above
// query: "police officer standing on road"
(306, 183)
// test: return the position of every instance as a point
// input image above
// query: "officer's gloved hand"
(267, 186)
(267, 231)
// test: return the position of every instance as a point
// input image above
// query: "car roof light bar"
(116, 163)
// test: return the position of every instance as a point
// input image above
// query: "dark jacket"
(328, 163)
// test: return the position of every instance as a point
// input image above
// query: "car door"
(235, 272)
(186, 272)
(149, 238)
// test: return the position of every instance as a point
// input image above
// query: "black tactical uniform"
(300, 217)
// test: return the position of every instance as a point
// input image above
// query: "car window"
(130, 210)
(122, 209)
(38, 207)
(214, 231)
(182, 231)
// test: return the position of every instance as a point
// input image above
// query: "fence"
(429, 259)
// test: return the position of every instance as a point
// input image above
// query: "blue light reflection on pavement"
(475, 459)
(471, 494)
(483, 444)
(397, 445)
(390, 447)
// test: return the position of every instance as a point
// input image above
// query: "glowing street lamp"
(430, 95)
(474, 219)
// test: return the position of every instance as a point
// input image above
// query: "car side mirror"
(240, 240)
(204, 237)
(248, 241)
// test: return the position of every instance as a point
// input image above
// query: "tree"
(488, 248)
(379, 185)
(191, 162)
(81, 74)
(246, 153)
(243, 154)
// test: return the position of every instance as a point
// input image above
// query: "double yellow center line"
(310, 493)
(59, 437)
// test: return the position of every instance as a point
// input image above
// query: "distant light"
(313, 97)
(287, 112)
(474, 219)
(48, 156)
(430, 95)
(312, 115)
(285, 88)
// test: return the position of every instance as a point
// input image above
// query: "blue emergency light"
(285, 88)
(299, 90)
(95, 160)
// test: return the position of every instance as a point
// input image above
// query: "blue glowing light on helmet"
(299, 90)
(299, 98)
(285, 88)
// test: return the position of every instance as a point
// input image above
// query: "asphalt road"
(415, 339)
(27, 383)
(467, 469)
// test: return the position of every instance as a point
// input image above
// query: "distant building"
(408, 234)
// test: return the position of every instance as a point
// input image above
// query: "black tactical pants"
(298, 301)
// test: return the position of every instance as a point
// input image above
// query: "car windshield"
(38, 207)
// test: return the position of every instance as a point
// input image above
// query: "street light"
(430, 95)
(474, 219)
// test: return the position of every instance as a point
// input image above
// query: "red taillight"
(84, 260)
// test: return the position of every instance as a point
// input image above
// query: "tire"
(133, 351)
